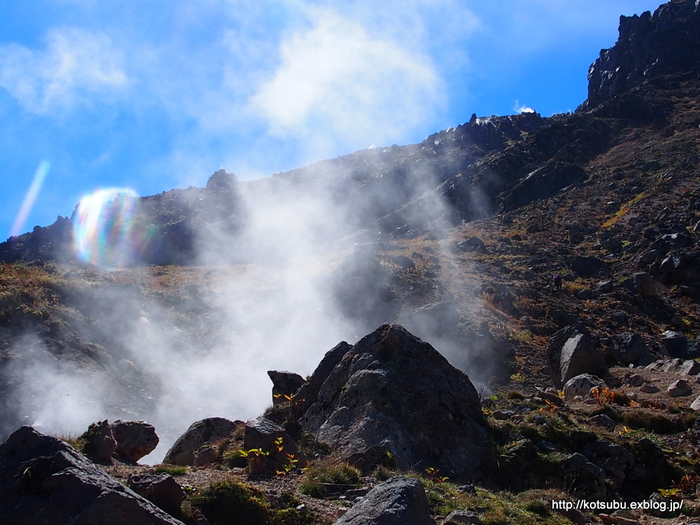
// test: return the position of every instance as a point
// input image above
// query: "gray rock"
(397, 501)
(581, 385)
(605, 421)
(613, 459)
(262, 434)
(672, 365)
(632, 379)
(649, 388)
(200, 433)
(679, 388)
(135, 439)
(695, 405)
(394, 390)
(587, 480)
(689, 367)
(45, 481)
(656, 365)
(570, 353)
(630, 349)
(284, 384)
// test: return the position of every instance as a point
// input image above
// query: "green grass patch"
(229, 502)
(173, 470)
(324, 479)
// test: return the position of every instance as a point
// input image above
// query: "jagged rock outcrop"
(45, 481)
(649, 45)
(394, 390)
(308, 393)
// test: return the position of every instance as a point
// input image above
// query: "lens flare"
(30, 197)
(105, 228)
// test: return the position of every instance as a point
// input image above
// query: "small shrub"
(231, 503)
(383, 473)
(323, 479)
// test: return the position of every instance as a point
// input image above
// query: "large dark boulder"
(394, 390)
(44, 481)
(200, 433)
(135, 439)
(397, 501)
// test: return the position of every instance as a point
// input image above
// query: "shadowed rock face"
(394, 390)
(648, 46)
(45, 481)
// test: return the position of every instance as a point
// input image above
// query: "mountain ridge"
(474, 169)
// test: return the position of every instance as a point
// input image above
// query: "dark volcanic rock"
(648, 46)
(135, 439)
(397, 501)
(160, 489)
(44, 481)
(284, 384)
(308, 393)
(99, 442)
(394, 390)
(200, 433)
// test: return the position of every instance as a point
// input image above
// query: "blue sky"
(155, 95)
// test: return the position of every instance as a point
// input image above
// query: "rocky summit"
(513, 304)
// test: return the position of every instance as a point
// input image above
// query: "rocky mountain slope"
(528, 251)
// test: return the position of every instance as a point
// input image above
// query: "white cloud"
(75, 63)
(521, 108)
(339, 84)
